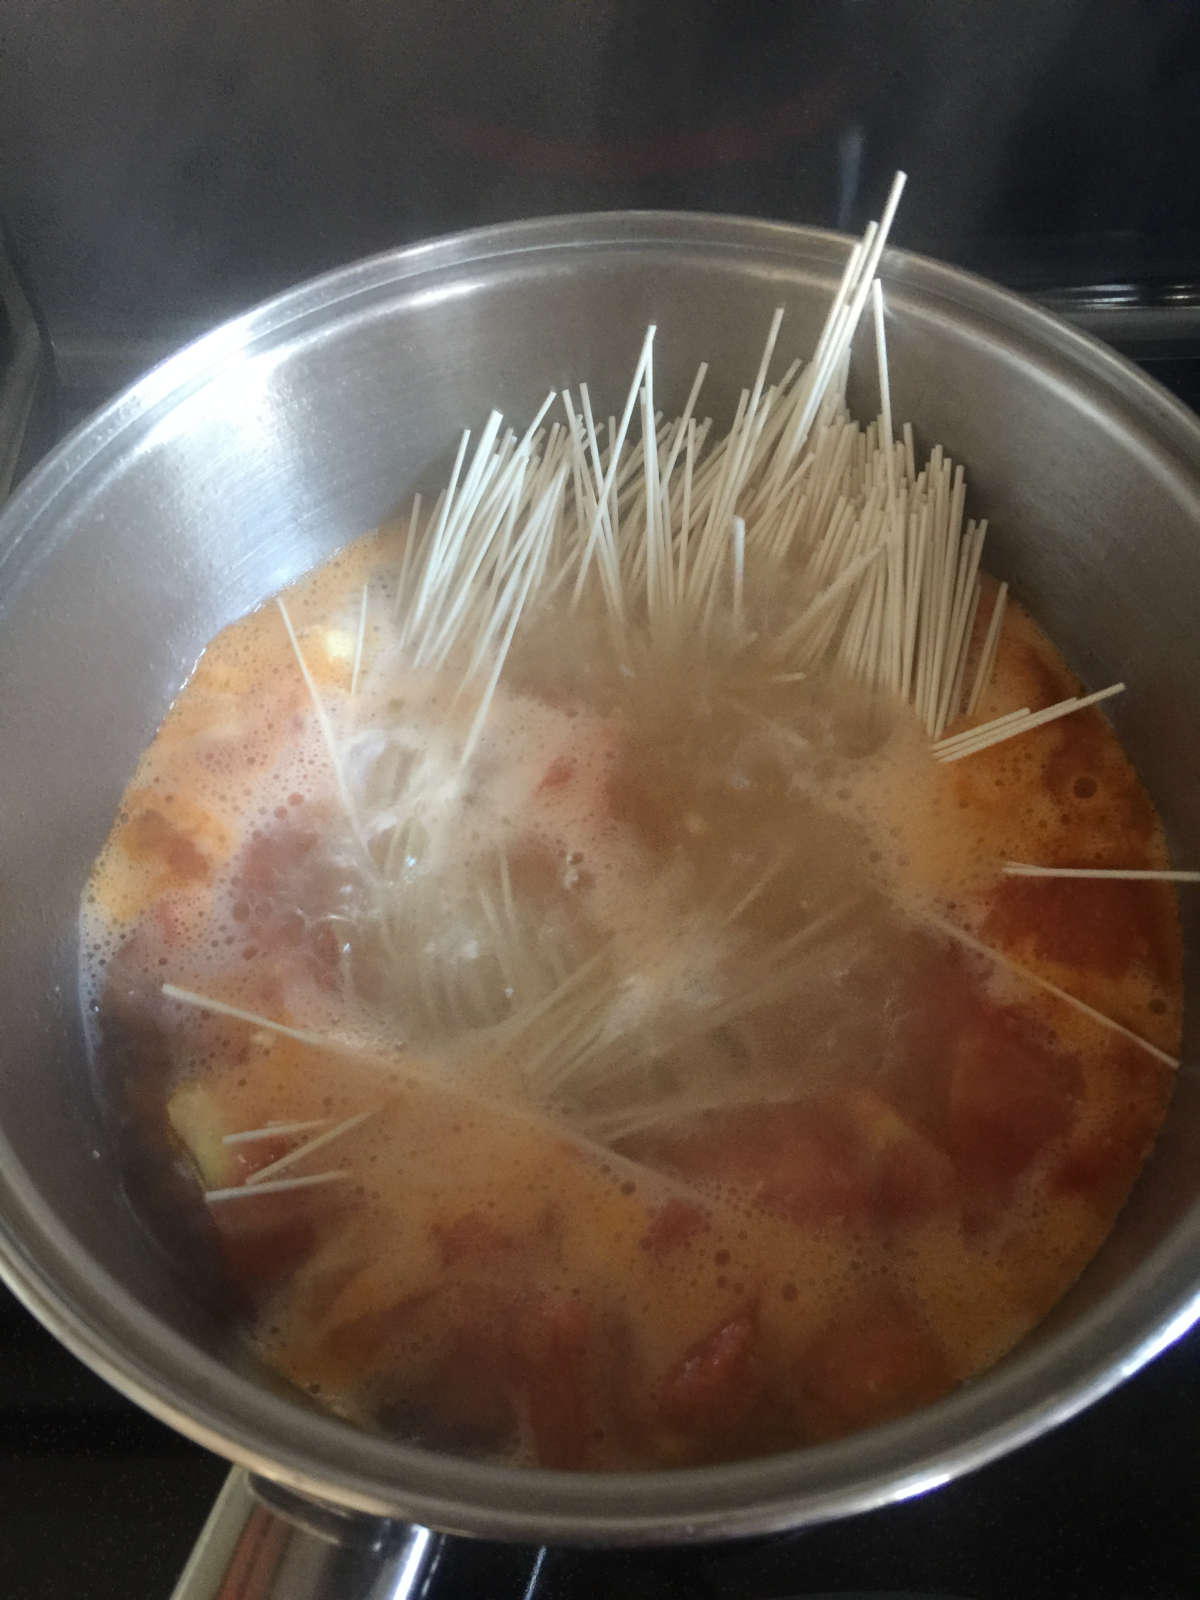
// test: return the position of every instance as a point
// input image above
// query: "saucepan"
(246, 459)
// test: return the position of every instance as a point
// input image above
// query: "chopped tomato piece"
(837, 1158)
(713, 1388)
(560, 771)
(150, 833)
(264, 1237)
(874, 1360)
(1091, 925)
(910, 1176)
(672, 1225)
(913, 1179)
(947, 1000)
(1104, 1163)
(1009, 1097)
(558, 1386)
(819, 1174)
(801, 1159)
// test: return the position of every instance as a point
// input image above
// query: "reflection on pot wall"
(165, 162)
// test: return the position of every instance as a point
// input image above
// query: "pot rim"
(226, 1411)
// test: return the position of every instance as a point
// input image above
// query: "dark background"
(166, 162)
(170, 160)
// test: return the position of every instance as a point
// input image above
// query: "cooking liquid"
(688, 1136)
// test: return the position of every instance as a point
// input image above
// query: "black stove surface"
(100, 1502)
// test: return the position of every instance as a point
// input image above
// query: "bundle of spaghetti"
(673, 527)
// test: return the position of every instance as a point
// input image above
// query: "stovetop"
(99, 1501)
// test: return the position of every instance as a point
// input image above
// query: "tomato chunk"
(910, 1176)
(558, 1386)
(150, 833)
(834, 1159)
(673, 1225)
(560, 771)
(873, 1361)
(1009, 1097)
(717, 1382)
(264, 1238)
(803, 1160)
(1089, 925)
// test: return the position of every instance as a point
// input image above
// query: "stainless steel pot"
(247, 458)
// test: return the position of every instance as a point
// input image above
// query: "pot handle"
(261, 1542)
